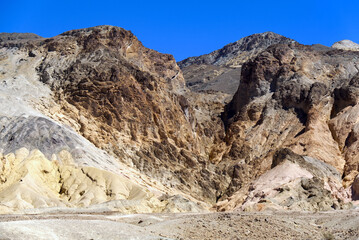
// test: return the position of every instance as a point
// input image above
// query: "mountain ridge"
(245, 44)
(99, 98)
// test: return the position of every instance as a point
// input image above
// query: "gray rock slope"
(4, 37)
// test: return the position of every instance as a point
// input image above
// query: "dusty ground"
(112, 225)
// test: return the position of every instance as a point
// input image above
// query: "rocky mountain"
(220, 70)
(93, 119)
(101, 99)
(296, 97)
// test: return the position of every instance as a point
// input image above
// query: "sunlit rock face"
(29, 180)
(346, 45)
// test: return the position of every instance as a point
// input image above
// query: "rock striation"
(29, 180)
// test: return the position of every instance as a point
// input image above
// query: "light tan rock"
(346, 45)
(293, 183)
(29, 180)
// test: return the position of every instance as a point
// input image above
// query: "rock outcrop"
(293, 96)
(346, 45)
(297, 183)
(29, 180)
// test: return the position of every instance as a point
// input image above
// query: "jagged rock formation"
(221, 70)
(346, 45)
(293, 96)
(119, 117)
(128, 100)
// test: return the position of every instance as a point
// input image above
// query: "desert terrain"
(112, 225)
(103, 138)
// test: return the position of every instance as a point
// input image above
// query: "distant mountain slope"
(235, 54)
(220, 70)
(18, 36)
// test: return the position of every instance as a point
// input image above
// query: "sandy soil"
(112, 225)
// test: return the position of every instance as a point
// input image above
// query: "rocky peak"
(102, 36)
(346, 45)
(235, 51)
(220, 70)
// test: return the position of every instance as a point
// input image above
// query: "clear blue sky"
(189, 28)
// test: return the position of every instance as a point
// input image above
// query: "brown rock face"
(297, 97)
(130, 101)
(355, 188)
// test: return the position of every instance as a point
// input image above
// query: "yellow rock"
(30, 180)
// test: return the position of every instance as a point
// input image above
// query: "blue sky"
(189, 28)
